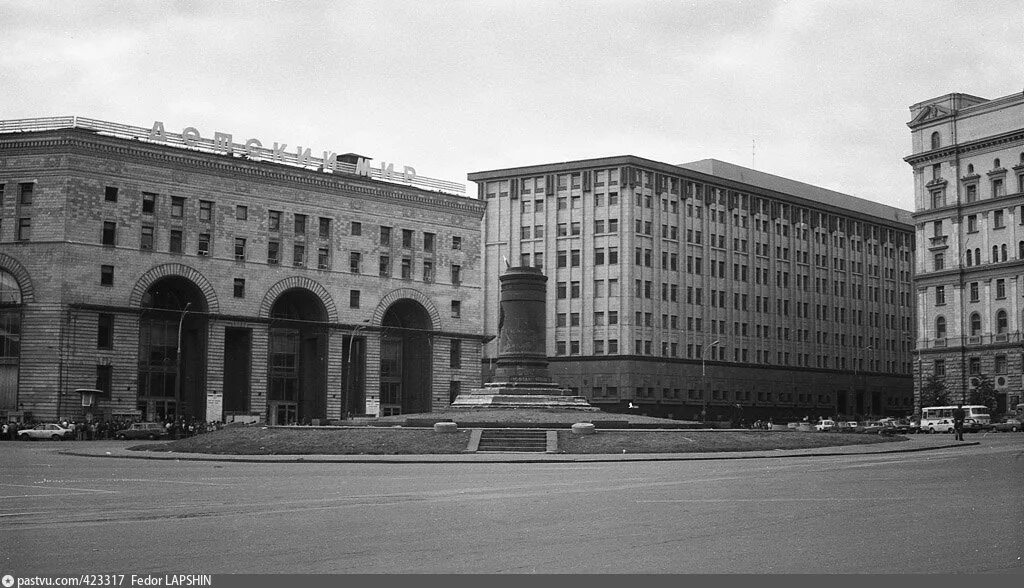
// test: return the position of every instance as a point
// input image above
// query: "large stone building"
(708, 288)
(184, 276)
(968, 160)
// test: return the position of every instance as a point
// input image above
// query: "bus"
(940, 418)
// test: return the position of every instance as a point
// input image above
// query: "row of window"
(974, 290)
(698, 394)
(107, 279)
(1002, 324)
(999, 366)
(973, 256)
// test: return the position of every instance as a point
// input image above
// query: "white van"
(976, 418)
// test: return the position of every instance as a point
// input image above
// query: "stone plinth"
(521, 378)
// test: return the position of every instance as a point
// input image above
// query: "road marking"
(21, 514)
(59, 488)
(674, 500)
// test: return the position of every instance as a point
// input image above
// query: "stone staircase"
(513, 440)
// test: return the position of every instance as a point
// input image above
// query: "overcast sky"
(816, 91)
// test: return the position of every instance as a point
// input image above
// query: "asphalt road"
(958, 510)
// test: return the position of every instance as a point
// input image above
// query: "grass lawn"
(261, 440)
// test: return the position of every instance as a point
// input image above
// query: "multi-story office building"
(183, 276)
(968, 160)
(708, 288)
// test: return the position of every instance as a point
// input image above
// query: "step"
(513, 440)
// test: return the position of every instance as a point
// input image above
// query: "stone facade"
(968, 165)
(187, 239)
(708, 288)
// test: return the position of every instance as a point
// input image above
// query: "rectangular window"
(356, 228)
(104, 377)
(205, 210)
(203, 245)
(972, 223)
(105, 331)
(385, 236)
(239, 287)
(273, 252)
(148, 203)
(323, 258)
(298, 255)
(147, 238)
(106, 275)
(109, 233)
(176, 243)
(407, 238)
(428, 242)
(110, 194)
(456, 243)
(300, 224)
(456, 275)
(273, 220)
(998, 220)
(355, 260)
(325, 228)
(241, 212)
(455, 354)
(406, 268)
(428, 271)
(385, 266)
(353, 298)
(177, 206)
(25, 191)
(239, 249)
(456, 309)
(940, 295)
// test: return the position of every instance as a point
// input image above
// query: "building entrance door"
(390, 377)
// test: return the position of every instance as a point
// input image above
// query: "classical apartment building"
(708, 289)
(185, 276)
(968, 160)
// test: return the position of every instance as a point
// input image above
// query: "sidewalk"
(913, 443)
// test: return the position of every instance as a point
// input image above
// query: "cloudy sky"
(813, 90)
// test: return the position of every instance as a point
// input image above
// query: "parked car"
(878, 428)
(45, 431)
(142, 431)
(825, 425)
(943, 426)
(903, 428)
(1008, 425)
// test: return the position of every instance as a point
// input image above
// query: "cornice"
(260, 171)
(961, 148)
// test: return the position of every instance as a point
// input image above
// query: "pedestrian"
(958, 422)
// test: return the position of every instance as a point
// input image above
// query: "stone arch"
(299, 282)
(178, 270)
(395, 295)
(14, 267)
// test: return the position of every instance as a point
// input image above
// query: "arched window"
(970, 258)
(975, 324)
(1002, 326)
(995, 253)
(1002, 249)
(10, 292)
(970, 168)
(1020, 250)
(940, 327)
(936, 140)
(977, 256)
(995, 163)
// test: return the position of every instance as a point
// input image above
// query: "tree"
(984, 393)
(934, 392)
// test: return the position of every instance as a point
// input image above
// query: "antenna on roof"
(753, 154)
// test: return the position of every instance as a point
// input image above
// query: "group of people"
(101, 429)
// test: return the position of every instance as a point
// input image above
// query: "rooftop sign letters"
(224, 143)
(253, 148)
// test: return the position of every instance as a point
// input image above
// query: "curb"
(493, 458)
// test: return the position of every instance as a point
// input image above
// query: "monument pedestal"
(521, 379)
(521, 395)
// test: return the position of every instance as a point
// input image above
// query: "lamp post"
(177, 357)
(350, 380)
(703, 378)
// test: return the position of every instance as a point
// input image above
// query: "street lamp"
(703, 378)
(177, 357)
(351, 373)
